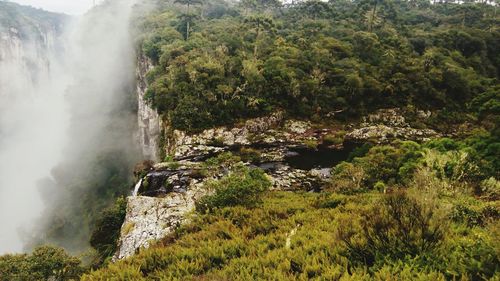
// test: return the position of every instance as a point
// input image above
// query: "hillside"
(413, 87)
(316, 59)
(28, 20)
(341, 140)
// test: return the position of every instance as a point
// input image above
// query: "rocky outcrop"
(184, 146)
(293, 153)
(28, 38)
(167, 195)
(149, 218)
(147, 117)
(386, 125)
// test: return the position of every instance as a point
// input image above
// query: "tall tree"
(188, 4)
(259, 24)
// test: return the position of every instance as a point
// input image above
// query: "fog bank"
(66, 103)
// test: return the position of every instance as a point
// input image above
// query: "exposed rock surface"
(171, 194)
(389, 124)
(282, 154)
(214, 140)
(150, 218)
(147, 117)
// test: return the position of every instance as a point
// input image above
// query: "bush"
(469, 216)
(334, 139)
(249, 154)
(359, 151)
(476, 257)
(329, 201)
(490, 189)
(244, 187)
(398, 228)
(380, 186)
(347, 178)
(311, 144)
(45, 263)
(105, 236)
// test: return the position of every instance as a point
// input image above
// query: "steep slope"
(348, 140)
(377, 95)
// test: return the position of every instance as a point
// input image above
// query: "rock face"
(184, 146)
(147, 117)
(150, 218)
(24, 56)
(389, 124)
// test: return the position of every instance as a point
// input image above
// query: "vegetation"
(313, 58)
(86, 188)
(28, 21)
(404, 211)
(243, 187)
(105, 236)
(399, 211)
(351, 237)
(45, 263)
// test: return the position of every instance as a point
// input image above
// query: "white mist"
(56, 96)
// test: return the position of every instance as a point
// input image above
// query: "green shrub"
(490, 189)
(359, 151)
(244, 187)
(347, 178)
(311, 144)
(248, 154)
(475, 257)
(104, 237)
(291, 236)
(398, 228)
(44, 263)
(380, 186)
(226, 159)
(329, 201)
(334, 139)
(469, 216)
(219, 142)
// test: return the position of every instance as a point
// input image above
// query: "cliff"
(28, 37)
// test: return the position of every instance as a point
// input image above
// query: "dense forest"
(398, 211)
(315, 58)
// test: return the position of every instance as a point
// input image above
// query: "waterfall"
(136, 188)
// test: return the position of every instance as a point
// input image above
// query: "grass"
(238, 243)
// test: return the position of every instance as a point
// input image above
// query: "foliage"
(239, 243)
(104, 237)
(313, 58)
(44, 263)
(243, 187)
(86, 187)
(347, 178)
(398, 229)
(249, 154)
